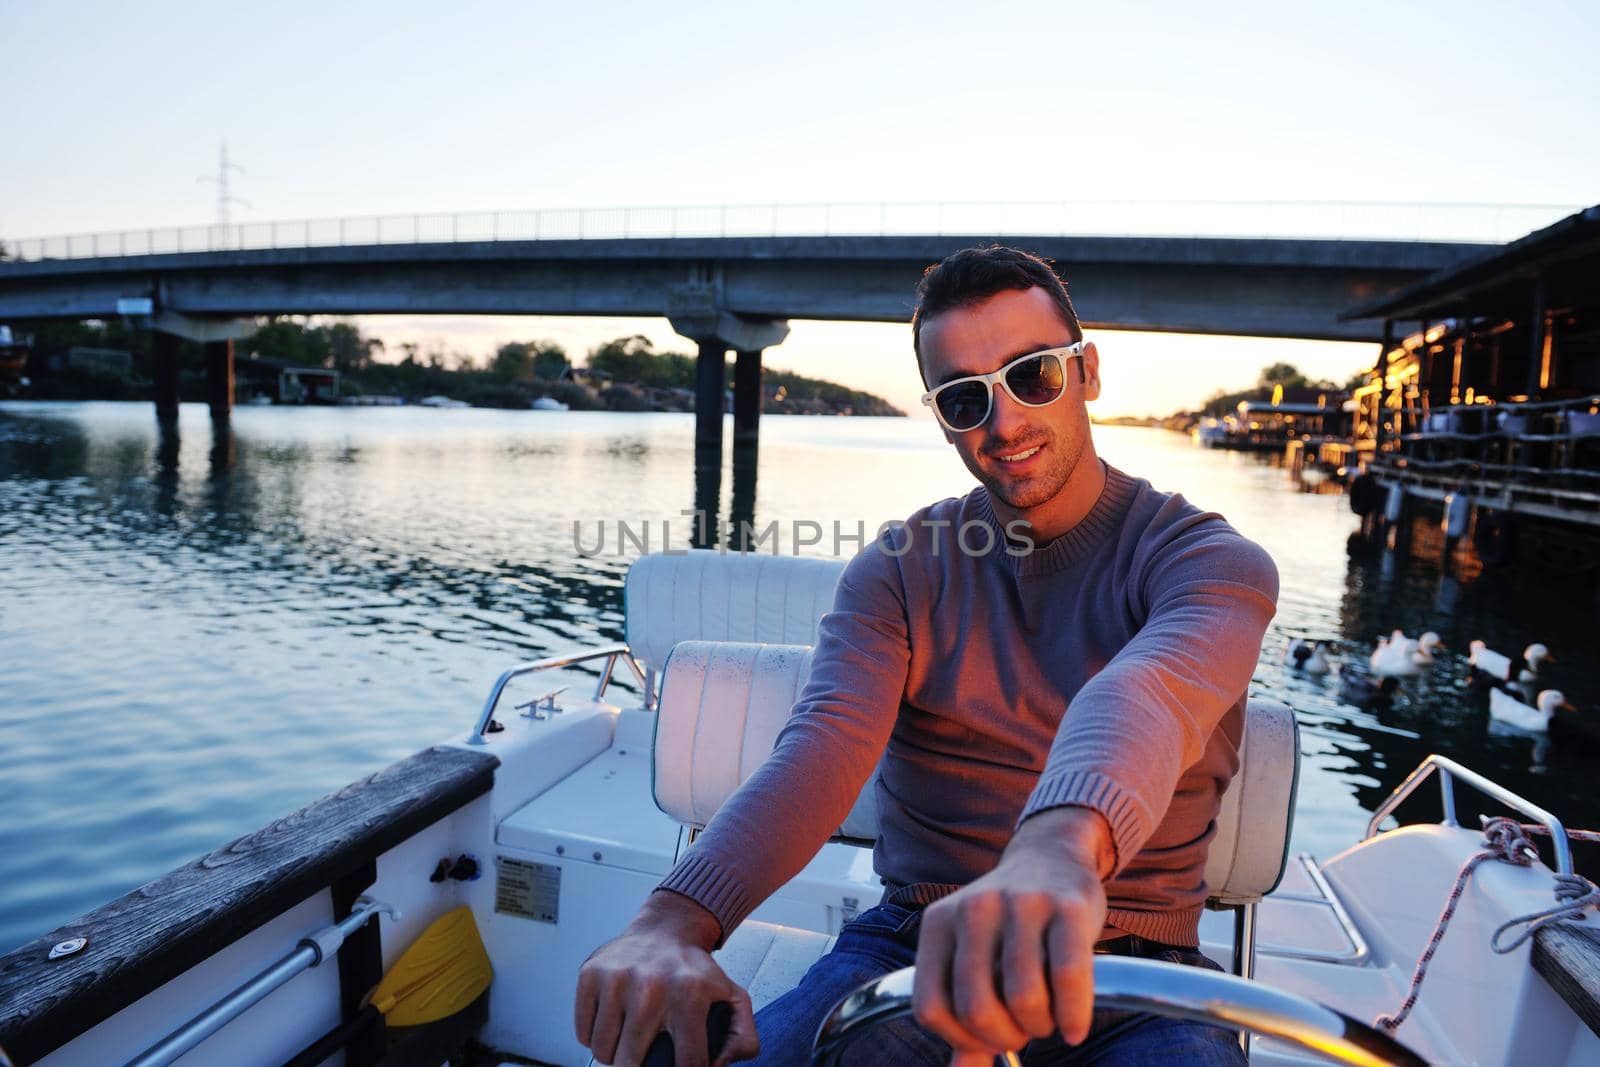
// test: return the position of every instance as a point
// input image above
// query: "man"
(1053, 669)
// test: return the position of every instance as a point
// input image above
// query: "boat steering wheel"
(1166, 989)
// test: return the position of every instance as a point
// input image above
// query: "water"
(197, 636)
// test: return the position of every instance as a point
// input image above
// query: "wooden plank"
(1567, 956)
(156, 932)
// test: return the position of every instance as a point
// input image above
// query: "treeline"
(624, 374)
(1286, 375)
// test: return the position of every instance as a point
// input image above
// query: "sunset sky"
(114, 111)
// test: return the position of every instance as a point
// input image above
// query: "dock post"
(219, 379)
(1383, 387)
(1538, 341)
(747, 398)
(164, 356)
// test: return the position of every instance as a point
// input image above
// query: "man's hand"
(659, 975)
(1011, 956)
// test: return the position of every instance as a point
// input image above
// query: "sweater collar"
(1091, 531)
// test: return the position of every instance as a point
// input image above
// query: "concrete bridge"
(726, 286)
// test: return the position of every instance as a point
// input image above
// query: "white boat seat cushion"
(769, 960)
(725, 596)
(1251, 847)
(722, 705)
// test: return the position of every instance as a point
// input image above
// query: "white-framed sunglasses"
(1033, 380)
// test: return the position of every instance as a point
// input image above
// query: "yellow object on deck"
(444, 970)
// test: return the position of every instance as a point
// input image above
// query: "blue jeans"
(884, 939)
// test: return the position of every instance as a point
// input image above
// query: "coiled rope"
(1505, 840)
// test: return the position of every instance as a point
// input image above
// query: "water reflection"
(707, 496)
(742, 512)
(302, 596)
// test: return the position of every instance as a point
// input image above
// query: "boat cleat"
(542, 707)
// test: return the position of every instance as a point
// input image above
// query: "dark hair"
(971, 275)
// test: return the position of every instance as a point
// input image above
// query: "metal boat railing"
(310, 952)
(1449, 771)
(1335, 220)
(609, 653)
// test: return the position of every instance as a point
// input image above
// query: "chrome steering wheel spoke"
(1166, 989)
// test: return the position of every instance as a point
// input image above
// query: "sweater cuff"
(1097, 792)
(714, 888)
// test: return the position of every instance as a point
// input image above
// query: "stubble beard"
(1041, 487)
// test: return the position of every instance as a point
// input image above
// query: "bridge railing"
(1321, 220)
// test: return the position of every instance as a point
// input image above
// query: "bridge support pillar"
(716, 332)
(219, 379)
(746, 398)
(164, 354)
(711, 375)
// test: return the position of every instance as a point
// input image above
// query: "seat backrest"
(724, 596)
(1251, 846)
(722, 705)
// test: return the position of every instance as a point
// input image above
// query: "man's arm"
(1011, 955)
(1135, 727)
(659, 974)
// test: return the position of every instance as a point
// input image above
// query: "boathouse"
(1486, 392)
(286, 383)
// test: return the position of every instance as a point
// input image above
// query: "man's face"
(1023, 455)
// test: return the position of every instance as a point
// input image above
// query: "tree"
(347, 351)
(549, 361)
(1284, 374)
(281, 338)
(512, 362)
(517, 361)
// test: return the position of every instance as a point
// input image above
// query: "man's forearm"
(1078, 833)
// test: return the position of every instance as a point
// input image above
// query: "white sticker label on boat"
(531, 890)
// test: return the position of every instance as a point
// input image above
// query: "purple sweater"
(1105, 669)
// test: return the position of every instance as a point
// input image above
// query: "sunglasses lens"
(1037, 380)
(963, 405)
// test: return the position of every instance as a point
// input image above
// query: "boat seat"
(722, 705)
(724, 596)
(768, 960)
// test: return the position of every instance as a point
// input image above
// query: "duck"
(1488, 667)
(1306, 656)
(1367, 693)
(1397, 655)
(1513, 712)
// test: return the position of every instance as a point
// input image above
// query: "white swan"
(1397, 655)
(1424, 648)
(1493, 666)
(1306, 656)
(1513, 712)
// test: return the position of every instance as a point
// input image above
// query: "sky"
(114, 112)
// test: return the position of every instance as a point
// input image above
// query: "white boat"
(442, 402)
(1210, 432)
(556, 814)
(548, 403)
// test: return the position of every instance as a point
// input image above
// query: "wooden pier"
(1491, 404)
